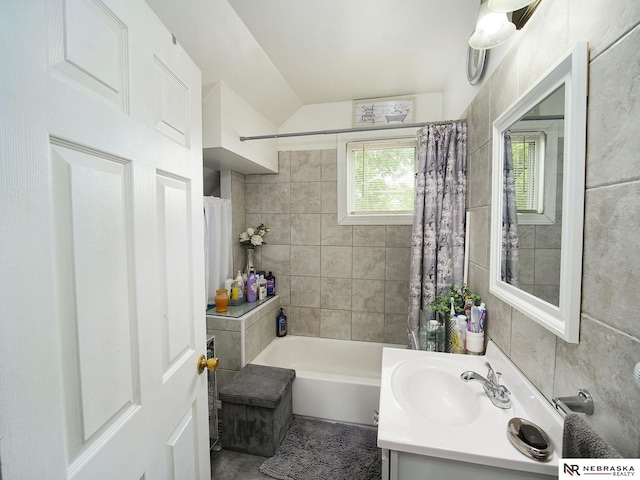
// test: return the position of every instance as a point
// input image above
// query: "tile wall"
(609, 345)
(345, 282)
(240, 340)
(539, 249)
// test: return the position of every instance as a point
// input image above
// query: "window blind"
(526, 155)
(383, 177)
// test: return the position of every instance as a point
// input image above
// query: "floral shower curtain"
(509, 257)
(437, 243)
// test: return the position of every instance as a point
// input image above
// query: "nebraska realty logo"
(578, 467)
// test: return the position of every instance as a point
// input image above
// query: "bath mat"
(321, 450)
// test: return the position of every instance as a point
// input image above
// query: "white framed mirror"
(537, 201)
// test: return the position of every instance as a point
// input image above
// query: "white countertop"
(484, 440)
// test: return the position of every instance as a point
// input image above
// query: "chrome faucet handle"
(501, 388)
(491, 374)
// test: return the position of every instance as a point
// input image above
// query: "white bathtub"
(335, 379)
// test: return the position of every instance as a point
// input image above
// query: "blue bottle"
(271, 284)
(281, 324)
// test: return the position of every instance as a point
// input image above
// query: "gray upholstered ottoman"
(256, 409)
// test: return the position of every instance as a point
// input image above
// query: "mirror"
(538, 198)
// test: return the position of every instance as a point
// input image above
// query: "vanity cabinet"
(409, 466)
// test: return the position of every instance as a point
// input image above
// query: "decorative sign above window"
(386, 111)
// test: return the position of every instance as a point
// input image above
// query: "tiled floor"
(228, 465)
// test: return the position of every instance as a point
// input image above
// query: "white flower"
(254, 237)
(256, 240)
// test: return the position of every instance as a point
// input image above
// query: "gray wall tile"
(306, 197)
(306, 166)
(335, 324)
(306, 260)
(611, 270)
(369, 262)
(336, 261)
(602, 363)
(614, 112)
(367, 327)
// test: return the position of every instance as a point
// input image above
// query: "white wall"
(339, 115)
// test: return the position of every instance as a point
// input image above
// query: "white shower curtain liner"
(217, 244)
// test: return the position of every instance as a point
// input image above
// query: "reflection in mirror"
(532, 199)
(537, 199)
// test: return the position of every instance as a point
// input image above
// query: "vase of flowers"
(252, 238)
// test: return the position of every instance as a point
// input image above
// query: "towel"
(579, 440)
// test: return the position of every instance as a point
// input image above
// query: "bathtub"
(335, 379)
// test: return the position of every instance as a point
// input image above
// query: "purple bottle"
(252, 286)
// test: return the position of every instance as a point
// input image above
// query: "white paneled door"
(101, 255)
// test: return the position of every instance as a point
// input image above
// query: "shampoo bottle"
(262, 288)
(271, 284)
(281, 324)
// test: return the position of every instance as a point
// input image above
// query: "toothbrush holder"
(475, 343)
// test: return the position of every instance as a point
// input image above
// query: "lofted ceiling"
(281, 54)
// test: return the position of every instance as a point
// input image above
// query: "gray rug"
(319, 450)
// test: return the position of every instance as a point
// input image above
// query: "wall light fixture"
(492, 29)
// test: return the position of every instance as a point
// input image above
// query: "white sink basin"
(436, 392)
(427, 409)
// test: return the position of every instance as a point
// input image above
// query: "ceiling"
(281, 54)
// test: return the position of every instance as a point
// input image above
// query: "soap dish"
(529, 439)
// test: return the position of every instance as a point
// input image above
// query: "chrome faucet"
(498, 394)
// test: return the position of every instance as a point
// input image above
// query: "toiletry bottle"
(456, 337)
(262, 288)
(281, 324)
(271, 284)
(462, 325)
(468, 303)
(252, 286)
(450, 328)
(483, 316)
(228, 283)
(240, 285)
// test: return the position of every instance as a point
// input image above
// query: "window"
(528, 164)
(535, 163)
(376, 181)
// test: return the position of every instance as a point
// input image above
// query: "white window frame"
(548, 162)
(344, 175)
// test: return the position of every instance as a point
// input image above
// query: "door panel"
(89, 46)
(93, 232)
(102, 284)
(172, 103)
(175, 260)
(181, 451)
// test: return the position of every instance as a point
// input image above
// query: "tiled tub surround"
(343, 282)
(239, 340)
(609, 344)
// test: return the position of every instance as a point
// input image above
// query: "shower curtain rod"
(346, 130)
